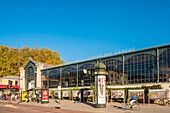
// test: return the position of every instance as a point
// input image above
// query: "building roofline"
(113, 55)
(38, 63)
(9, 77)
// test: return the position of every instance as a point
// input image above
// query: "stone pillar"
(22, 79)
(100, 85)
(38, 75)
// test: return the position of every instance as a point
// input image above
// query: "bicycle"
(167, 103)
(134, 107)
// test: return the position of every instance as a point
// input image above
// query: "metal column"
(123, 82)
(77, 75)
(60, 76)
(157, 55)
(47, 78)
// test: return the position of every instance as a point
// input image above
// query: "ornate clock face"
(84, 71)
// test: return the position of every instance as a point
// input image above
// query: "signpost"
(115, 94)
(44, 96)
(10, 95)
(88, 94)
(23, 94)
(139, 94)
(157, 94)
(66, 94)
(75, 94)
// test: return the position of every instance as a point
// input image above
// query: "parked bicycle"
(134, 107)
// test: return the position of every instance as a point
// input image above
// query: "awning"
(15, 87)
(33, 89)
(2, 86)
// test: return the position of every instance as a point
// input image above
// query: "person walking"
(37, 98)
(79, 96)
(27, 98)
(16, 96)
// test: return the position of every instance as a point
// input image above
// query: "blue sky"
(77, 28)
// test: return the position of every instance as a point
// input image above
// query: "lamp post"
(100, 85)
(19, 74)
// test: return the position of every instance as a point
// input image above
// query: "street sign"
(23, 95)
(45, 95)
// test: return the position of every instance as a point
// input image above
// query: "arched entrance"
(30, 75)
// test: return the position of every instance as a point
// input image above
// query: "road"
(6, 108)
(79, 108)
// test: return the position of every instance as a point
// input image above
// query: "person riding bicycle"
(132, 99)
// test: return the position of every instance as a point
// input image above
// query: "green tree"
(12, 58)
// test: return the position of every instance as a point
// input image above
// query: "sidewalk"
(71, 105)
(88, 107)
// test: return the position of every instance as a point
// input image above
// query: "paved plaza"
(88, 107)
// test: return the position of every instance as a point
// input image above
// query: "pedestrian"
(37, 98)
(27, 99)
(4, 97)
(79, 96)
(16, 96)
(12, 96)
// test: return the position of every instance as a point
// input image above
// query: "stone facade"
(31, 74)
(5, 80)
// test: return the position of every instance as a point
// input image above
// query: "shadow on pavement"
(57, 101)
(125, 109)
(117, 107)
(57, 107)
(90, 104)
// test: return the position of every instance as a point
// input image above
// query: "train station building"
(149, 66)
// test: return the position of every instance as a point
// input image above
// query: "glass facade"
(164, 64)
(145, 66)
(69, 77)
(54, 78)
(114, 67)
(85, 74)
(141, 67)
(44, 80)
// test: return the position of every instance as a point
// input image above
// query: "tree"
(10, 57)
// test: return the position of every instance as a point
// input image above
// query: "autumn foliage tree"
(11, 58)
